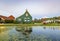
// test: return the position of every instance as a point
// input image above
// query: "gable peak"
(26, 10)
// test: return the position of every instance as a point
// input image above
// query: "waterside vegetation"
(36, 24)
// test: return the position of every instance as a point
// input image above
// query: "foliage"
(9, 21)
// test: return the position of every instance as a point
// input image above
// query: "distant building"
(47, 21)
(25, 18)
(51, 21)
(56, 21)
(4, 18)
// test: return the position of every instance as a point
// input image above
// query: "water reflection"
(4, 36)
(5, 28)
(2, 29)
(52, 27)
(25, 30)
(29, 33)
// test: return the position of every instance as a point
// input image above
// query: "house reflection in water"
(26, 31)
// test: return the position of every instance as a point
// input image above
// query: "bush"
(9, 21)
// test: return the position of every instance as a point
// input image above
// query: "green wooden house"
(25, 18)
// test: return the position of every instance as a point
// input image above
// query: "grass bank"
(37, 24)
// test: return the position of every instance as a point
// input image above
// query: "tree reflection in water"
(2, 29)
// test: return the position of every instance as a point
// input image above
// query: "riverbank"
(37, 24)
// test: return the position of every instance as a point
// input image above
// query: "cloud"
(37, 8)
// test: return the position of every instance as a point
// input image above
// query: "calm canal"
(29, 33)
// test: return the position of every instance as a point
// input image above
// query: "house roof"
(4, 17)
(7, 18)
(11, 17)
(26, 12)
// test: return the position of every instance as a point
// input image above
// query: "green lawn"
(37, 24)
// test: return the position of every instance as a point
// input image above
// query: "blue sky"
(37, 8)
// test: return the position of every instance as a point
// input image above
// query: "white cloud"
(36, 8)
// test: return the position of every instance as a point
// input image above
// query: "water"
(29, 33)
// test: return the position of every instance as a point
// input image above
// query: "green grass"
(37, 24)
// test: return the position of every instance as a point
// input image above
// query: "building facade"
(25, 18)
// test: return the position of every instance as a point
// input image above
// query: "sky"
(37, 8)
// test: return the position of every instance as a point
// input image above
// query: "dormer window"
(26, 14)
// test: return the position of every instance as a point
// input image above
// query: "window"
(26, 14)
(25, 20)
(19, 19)
(28, 20)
